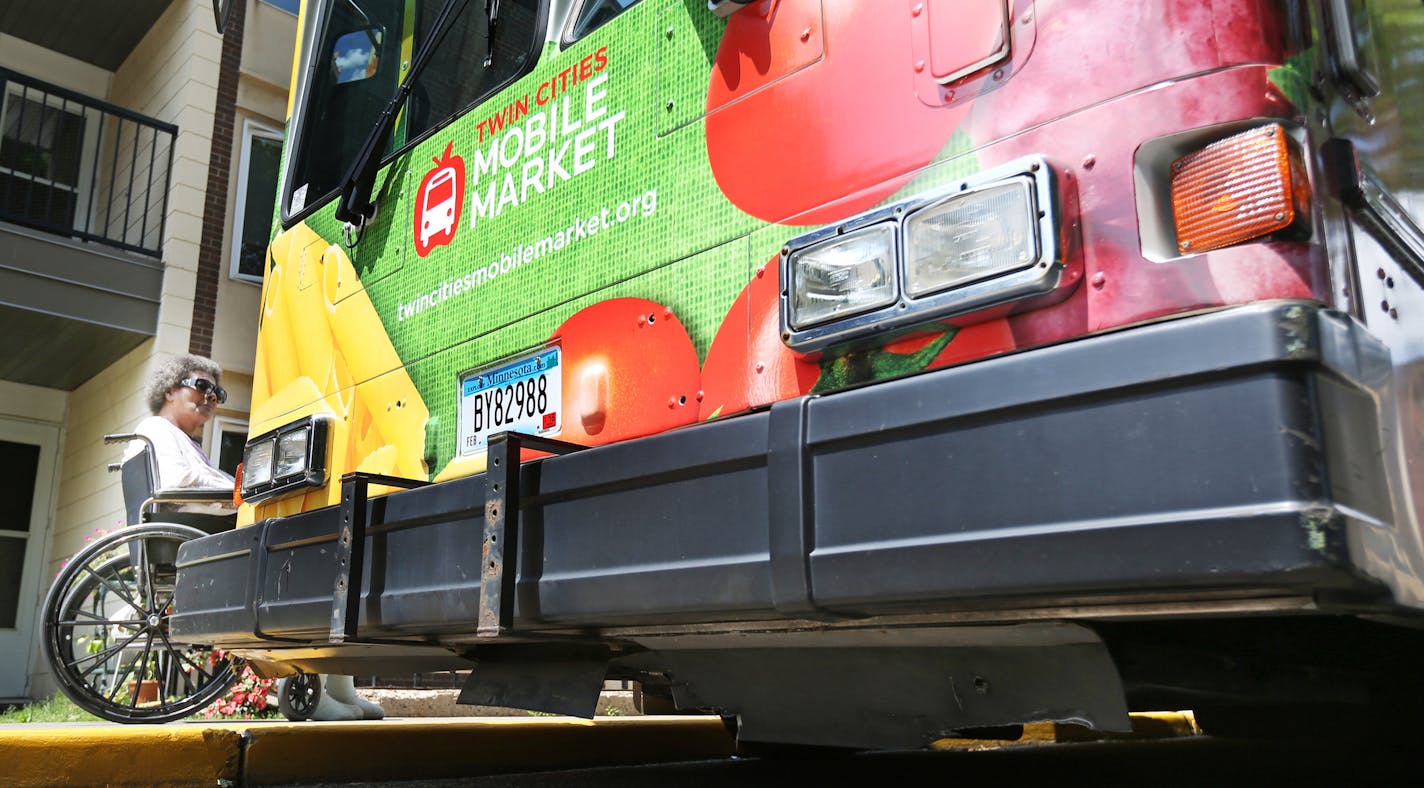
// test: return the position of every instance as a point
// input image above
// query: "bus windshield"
(364, 48)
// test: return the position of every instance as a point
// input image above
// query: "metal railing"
(76, 166)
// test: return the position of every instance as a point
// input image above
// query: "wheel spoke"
(184, 658)
(188, 677)
(207, 677)
(147, 575)
(142, 671)
(165, 676)
(120, 678)
(102, 656)
(167, 603)
(202, 671)
(117, 590)
(96, 621)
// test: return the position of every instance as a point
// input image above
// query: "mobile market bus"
(861, 370)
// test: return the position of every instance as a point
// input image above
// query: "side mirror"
(357, 55)
(222, 12)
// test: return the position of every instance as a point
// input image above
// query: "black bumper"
(1221, 455)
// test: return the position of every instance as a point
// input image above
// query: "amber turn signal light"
(1246, 186)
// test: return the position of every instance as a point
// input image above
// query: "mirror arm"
(356, 206)
(491, 19)
(366, 20)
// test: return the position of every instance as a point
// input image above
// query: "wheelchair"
(105, 618)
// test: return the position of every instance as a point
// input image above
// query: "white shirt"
(182, 464)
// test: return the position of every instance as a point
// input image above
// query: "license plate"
(523, 395)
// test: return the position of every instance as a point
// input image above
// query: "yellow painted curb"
(392, 749)
(119, 756)
(1145, 725)
(264, 753)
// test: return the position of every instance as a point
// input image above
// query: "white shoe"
(330, 709)
(342, 690)
(370, 710)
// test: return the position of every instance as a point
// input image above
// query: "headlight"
(973, 248)
(292, 452)
(845, 276)
(971, 236)
(289, 457)
(257, 463)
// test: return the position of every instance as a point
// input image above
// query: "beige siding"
(239, 301)
(53, 67)
(263, 100)
(267, 46)
(235, 329)
(32, 403)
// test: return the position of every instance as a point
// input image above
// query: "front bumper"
(1226, 456)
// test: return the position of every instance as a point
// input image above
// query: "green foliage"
(246, 700)
(55, 709)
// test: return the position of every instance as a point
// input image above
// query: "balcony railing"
(76, 166)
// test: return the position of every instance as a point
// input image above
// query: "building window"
(40, 151)
(227, 440)
(261, 157)
(290, 6)
(19, 469)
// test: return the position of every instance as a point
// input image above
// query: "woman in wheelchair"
(182, 396)
(106, 616)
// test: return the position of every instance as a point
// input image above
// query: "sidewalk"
(441, 703)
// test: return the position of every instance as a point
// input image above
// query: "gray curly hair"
(175, 369)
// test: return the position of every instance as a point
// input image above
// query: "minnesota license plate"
(523, 395)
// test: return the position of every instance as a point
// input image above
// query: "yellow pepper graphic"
(323, 350)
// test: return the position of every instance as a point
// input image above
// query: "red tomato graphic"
(747, 364)
(978, 341)
(785, 139)
(629, 370)
(439, 201)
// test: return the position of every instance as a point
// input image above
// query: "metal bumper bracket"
(351, 549)
(502, 525)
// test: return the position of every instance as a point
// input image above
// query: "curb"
(265, 753)
(105, 755)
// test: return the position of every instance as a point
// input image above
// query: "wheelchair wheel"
(298, 695)
(105, 631)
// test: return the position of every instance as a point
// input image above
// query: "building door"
(27, 462)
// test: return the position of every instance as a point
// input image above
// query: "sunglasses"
(206, 387)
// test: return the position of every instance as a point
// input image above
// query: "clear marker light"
(971, 236)
(291, 453)
(845, 276)
(258, 463)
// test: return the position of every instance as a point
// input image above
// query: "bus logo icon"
(438, 202)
